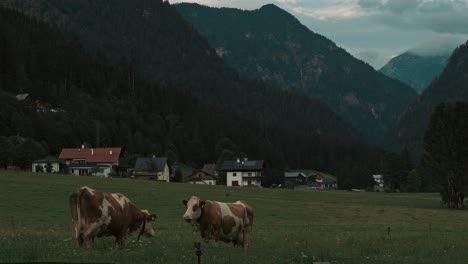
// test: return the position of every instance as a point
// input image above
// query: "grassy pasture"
(289, 226)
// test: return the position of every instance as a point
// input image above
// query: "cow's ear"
(184, 202)
(152, 217)
(202, 204)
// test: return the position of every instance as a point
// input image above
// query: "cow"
(227, 222)
(99, 214)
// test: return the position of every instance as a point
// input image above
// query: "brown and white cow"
(98, 214)
(228, 222)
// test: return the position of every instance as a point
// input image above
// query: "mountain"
(450, 85)
(190, 105)
(271, 45)
(415, 70)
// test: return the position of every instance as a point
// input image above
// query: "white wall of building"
(242, 178)
(55, 166)
(204, 182)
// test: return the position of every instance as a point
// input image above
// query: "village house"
(210, 168)
(379, 180)
(244, 172)
(152, 169)
(309, 179)
(99, 162)
(43, 165)
(295, 177)
(201, 177)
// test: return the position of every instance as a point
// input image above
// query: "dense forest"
(108, 101)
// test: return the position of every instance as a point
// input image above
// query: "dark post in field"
(198, 251)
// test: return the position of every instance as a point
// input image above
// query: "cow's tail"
(248, 224)
(73, 201)
(80, 201)
(249, 213)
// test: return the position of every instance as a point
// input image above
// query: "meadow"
(289, 226)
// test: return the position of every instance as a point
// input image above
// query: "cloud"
(368, 55)
(288, 1)
(331, 12)
(241, 4)
(437, 47)
(447, 16)
(376, 57)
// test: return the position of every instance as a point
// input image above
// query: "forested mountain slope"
(451, 85)
(191, 112)
(415, 70)
(270, 44)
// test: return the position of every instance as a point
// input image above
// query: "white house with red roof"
(90, 161)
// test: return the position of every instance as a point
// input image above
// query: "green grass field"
(289, 226)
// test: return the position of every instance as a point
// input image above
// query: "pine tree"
(446, 152)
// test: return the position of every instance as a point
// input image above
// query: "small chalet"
(378, 179)
(244, 172)
(46, 165)
(91, 161)
(328, 184)
(152, 169)
(306, 179)
(202, 177)
(210, 168)
(295, 177)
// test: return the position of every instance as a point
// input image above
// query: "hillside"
(415, 70)
(270, 44)
(110, 103)
(451, 85)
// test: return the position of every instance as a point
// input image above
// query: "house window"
(234, 174)
(235, 183)
(249, 183)
(249, 174)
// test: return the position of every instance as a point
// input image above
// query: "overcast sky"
(375, 30)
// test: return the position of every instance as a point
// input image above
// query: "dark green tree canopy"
(446, 152)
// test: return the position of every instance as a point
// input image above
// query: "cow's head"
(145, 228)
(194, 209)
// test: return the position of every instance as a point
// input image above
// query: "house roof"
(201, 176)
(246, 165)
(314, 173)
(294, 174)
(92, 155)
(209, 168)
(147, 164)
(328, 181)
(46, 161)
(21, 97)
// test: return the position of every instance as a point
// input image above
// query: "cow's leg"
(86, 241)
(119, 240)
(245, 240)
(239, 240)
(80, 240)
